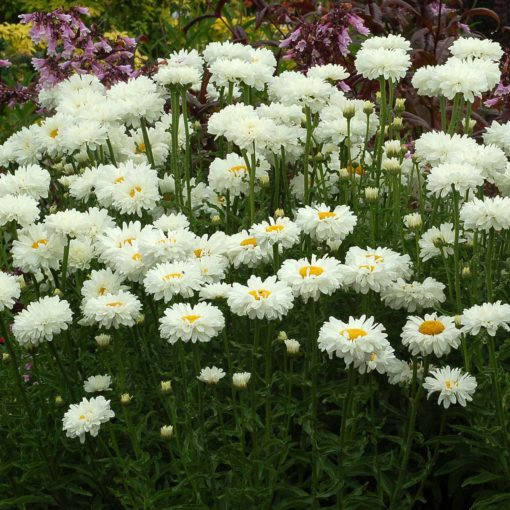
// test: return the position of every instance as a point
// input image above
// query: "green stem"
(488, 266)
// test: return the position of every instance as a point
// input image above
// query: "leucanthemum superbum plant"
(134, 250)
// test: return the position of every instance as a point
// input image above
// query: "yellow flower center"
(140, 148)
(358, 170)
(134, 191)
(172, 275)
(353, 333)
(137, 256)
(449, 384)
(260, 294)
(251, 241)
(82, 417)
(373, 356)
(118, 180)
(198, 253)
(128, 240)
(237, 168)
(275, 228)
(114, 304)
(310, 271)
(54, 133)
(434, 327)
(377, 258)
(326, 214)
(367, 266)
(190, 318)
(102, 291)
(39, 242)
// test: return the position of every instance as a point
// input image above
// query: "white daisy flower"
(374, 269)
(87, 417)
(10, 291)
(211, 375)
(68, 223)
(111, 310)
(415, 295)
(352, 340)
(261, 299)
(211, 267)
(437, 238)
(245, 250)
(159, 246)
(374, 63)
(488, 316)
(486, 214)
(280, 230)
(213, 291)
(198, 323)
(240, 379)
(432, 334)
(462, 177)
(101, 282)
(42, 320)
(169, 279)
(36, 249)
(324, 224)
(452, 384)
(29, 180)
(97, 383)
(311, 278)
(172, 221)
(21, 209)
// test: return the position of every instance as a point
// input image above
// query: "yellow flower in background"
(17, 38)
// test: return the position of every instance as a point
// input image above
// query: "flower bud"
(140, 319)
(240, 380)
(458, 321)
(59, 400)
(400, 104)
(344, 173)
(264, 180)
(197, 125)
(103, 340)
(371, 194)
(125, 399)
(282, 335)
(391, 165)
(349, 111)
(58, 292)
(215, 219)
(413, 221)
(6, 357)
(397, 123)
(292, 347)
(466, 272)
(166, 432)
(279, 213)
(368, 108)
(166, 386)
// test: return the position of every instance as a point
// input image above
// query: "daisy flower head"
(111, 310)
(374, 269)
(172, 221)
(486, 214)
(198, 323)
(328, 72)
(97, 383)
(452, 384)
(10, 291)
(280, 230)
(462, 177)
(87, 417)
(159, 246)
(211, 375)
(496, 134)
(240, 380)
(380, 62)
(378, 360)
(309, 279)
(21, 209)
(36, 249)
(42, 320)
(487, 316)
(31, 180)
(471, 47)
(432, 334)
(262, 299)
(324, 224)
(232, 174)
(169, 279)
(68, 223)
(245, 250)
(211, 267)
(414, 295)
(436, 240)
(352, 340)
(214, 291)
(101, 282)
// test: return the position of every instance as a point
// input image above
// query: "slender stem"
(306, 155)
(187, 153)
(147, 142)
(174, 155)
(488, 265)
(65, 260)
(382, 128)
